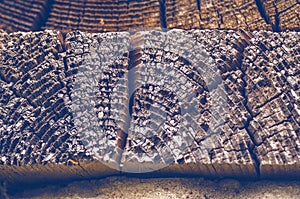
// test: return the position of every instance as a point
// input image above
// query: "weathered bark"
(92, 104)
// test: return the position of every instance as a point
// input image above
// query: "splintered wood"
(202, 102)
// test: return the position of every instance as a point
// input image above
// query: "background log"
(123, 15)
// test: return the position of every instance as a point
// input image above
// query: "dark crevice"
(281, 122)
(199, 5)
(43, 16)
(270, 100)
(133, 56)
(163, 18)
(251, 148)
(210, 153)
(131, 85)
(263, 139)
(247, 123)
(276, 25)
(250, 118)
(220, 18)
(262, 11)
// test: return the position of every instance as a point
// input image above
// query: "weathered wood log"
(127, 15)
(203, 102)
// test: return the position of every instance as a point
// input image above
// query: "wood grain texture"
(273, 97)
(182, 14)
(283, 15)
(103, 16)
(127, 15)
(21, 15)
(231, 15)
(56, 123)
(38, 137)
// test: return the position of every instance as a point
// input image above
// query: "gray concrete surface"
(123, 187)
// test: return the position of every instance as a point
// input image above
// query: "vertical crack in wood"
(276, 25)
(134, 54)
(262, 11)
(163, 18)
(244, 94)
(43, 16)
(199, 5)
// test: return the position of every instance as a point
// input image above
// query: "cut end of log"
(215, 103)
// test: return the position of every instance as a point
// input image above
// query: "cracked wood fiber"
(76, 107)
(123, 15)
(99, 16)
(282, 14)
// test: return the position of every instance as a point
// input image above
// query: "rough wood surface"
(282, 14)
(230, 14)
(99, 16)
(182, 14)
(58, 122)
(36, 123)
(90, 57)
(21, 15)
(123, 15)
(268, 85)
